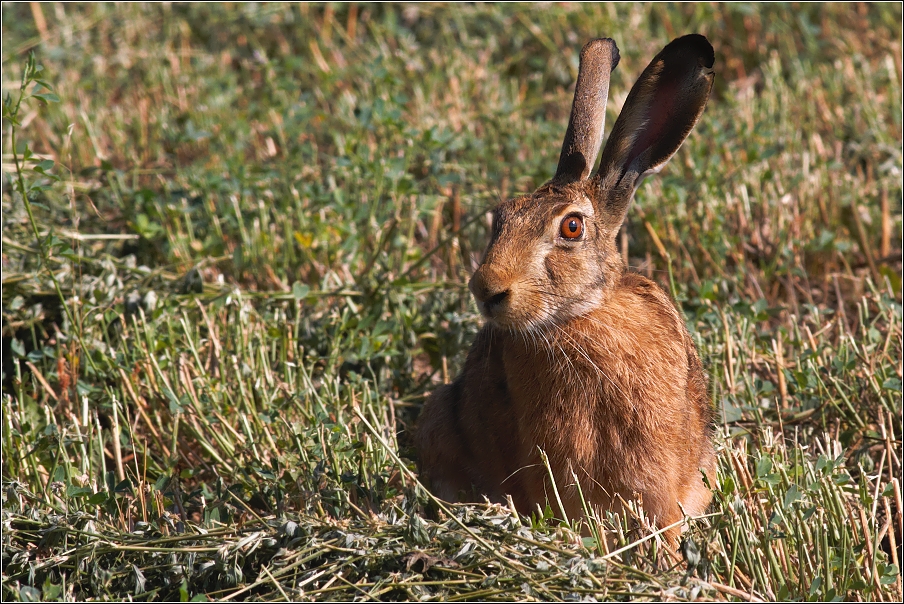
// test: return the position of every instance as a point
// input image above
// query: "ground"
(236, 242)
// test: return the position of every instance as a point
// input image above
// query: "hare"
(578, 357)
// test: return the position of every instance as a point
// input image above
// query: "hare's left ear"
(588, 111)
(660, 111)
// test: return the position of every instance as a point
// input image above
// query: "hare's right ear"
(659, 113)
(588, 111)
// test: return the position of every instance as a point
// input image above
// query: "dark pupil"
(573, 225)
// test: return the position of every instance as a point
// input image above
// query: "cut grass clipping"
(235, 246)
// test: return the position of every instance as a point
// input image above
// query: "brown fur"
(579, 358)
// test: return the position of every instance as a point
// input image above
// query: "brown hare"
(578, 357)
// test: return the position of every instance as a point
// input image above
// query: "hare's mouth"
(517, 304)
(496, 304)
(514, 312)
(509, 309)
(519, 310)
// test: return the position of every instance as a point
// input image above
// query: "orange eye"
(572, 227)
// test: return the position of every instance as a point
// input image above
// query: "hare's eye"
(572, 227)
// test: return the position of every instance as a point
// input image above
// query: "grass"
(241, 268)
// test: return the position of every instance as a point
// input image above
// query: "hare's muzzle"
(492, 296)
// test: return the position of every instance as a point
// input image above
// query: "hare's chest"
(575, 405)
(559, 417)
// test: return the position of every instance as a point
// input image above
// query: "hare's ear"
(588, 111)
(659, 113)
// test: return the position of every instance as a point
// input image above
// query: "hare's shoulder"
(642, 313)
(646, 289)
(644, 297)
(646, 318)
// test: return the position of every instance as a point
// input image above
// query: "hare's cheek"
(530, 307)
(574, 283)
(565, 274)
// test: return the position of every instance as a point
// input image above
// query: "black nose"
(495, 300)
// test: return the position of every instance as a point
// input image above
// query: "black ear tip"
(613, 52)
(693, 45)
(615, 56)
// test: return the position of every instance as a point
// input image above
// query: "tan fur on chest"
(590, 422)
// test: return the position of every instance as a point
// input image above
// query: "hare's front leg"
(443, 459)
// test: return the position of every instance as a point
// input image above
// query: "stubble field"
(242, 267)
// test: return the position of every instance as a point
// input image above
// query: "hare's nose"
(495, 300)
(487, 290)
(492, 303)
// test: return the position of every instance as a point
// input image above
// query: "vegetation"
(236, 240)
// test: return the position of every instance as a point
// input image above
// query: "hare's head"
(552, 254)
